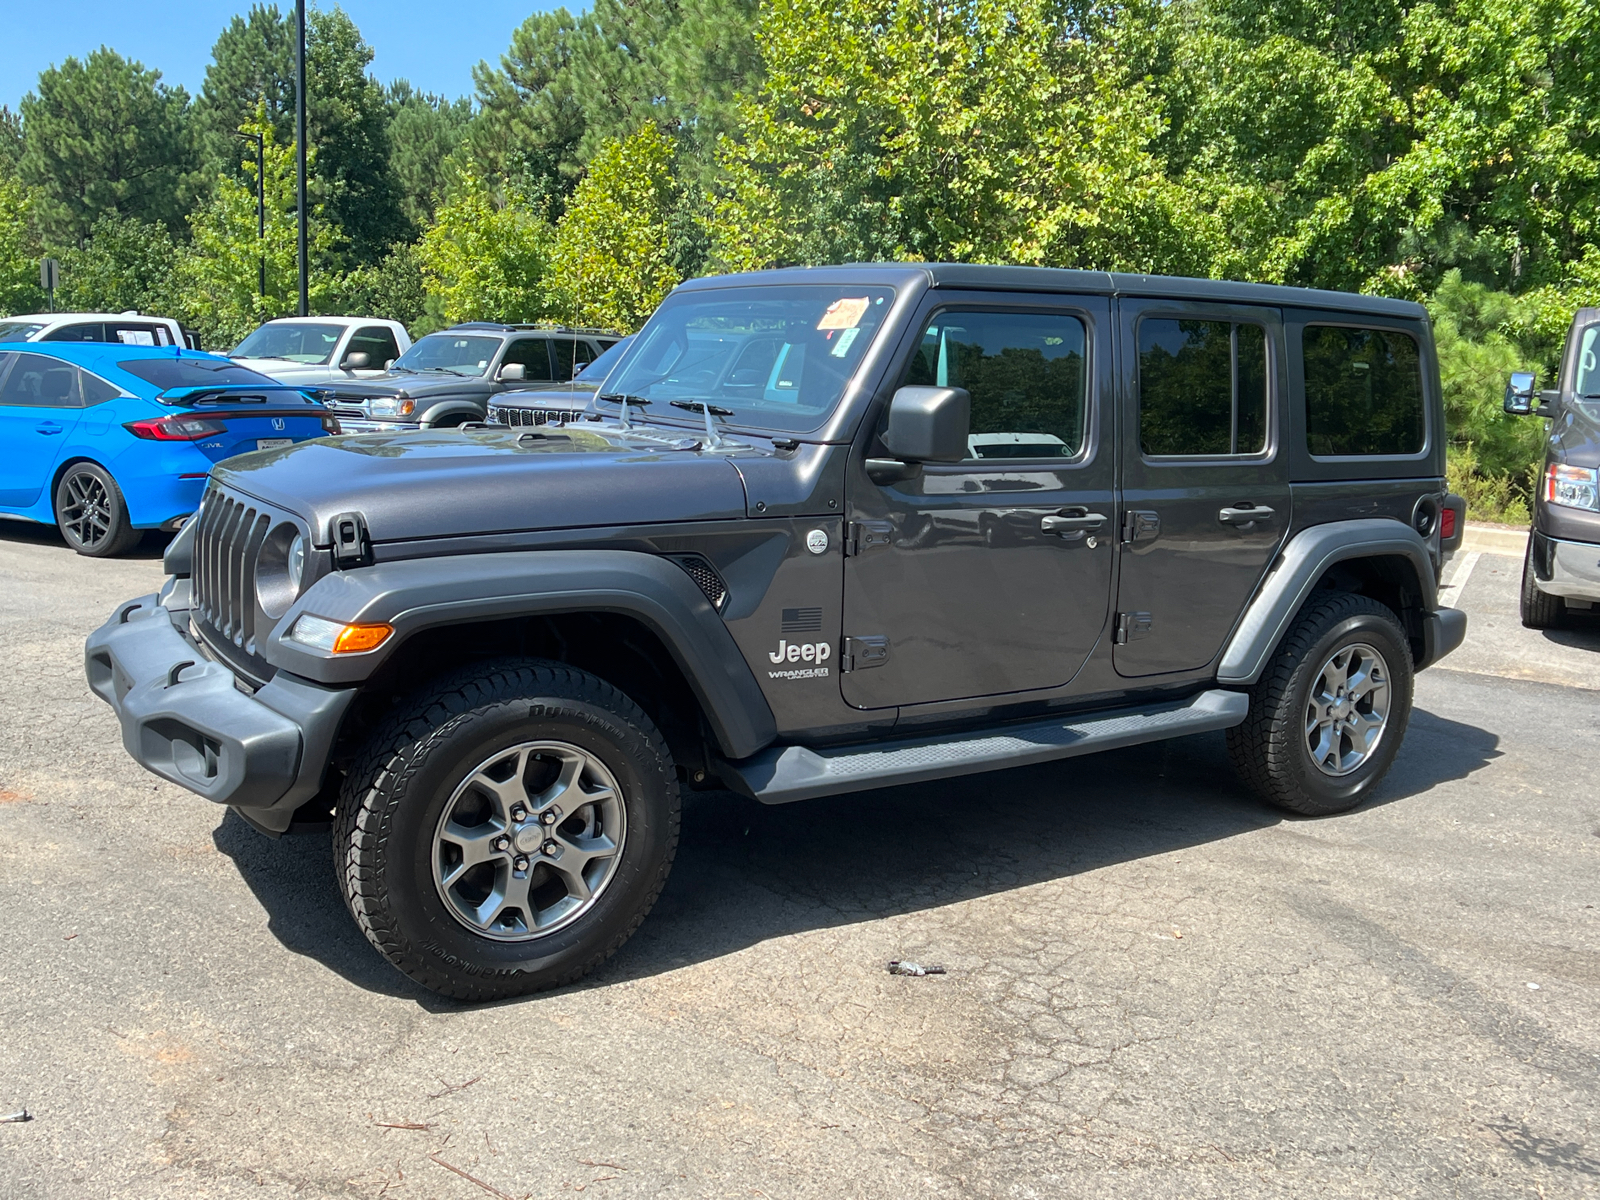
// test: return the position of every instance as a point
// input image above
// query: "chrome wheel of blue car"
(91, 513)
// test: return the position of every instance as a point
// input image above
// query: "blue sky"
(432, 44)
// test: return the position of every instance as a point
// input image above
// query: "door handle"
(47, 428)
(1084, 523)
(1245, 516)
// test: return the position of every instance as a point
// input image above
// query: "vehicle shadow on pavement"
(28, 533)
(747, 872)
(1581, 631)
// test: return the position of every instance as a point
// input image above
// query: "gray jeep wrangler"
(821, 530)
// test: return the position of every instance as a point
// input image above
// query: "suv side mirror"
(1519, 401)
(928, 424)
(511, 371)
(355, 360)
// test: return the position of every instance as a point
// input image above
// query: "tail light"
(1447, 524)
(174, 429)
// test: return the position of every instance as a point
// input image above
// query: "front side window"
(776, 357)
(533, 354)
(1363, 392)
(449, 353)
(296, 342)
(1202, 388)
(174, 372)
(377, 342)
(39, 382)
(1024, 371)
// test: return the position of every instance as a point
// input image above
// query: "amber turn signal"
(353, 639)
(337, 638)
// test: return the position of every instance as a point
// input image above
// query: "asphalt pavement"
(1156, 987)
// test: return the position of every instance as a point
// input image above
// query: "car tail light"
(174, 429)
(1447, 523)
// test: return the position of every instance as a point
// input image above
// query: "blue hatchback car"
(106, 440)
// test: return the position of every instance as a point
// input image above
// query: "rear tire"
(91, 513)
(508, 829)
(1539, 610)
(1329, 712)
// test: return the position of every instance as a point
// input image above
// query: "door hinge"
(867, 535)
(1140, 526)
(863, 653)
(352, 545)
(1132, 626)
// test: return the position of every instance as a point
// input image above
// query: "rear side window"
(1024, 371)
(1363, 392)
(137, 334)
(1202, 388)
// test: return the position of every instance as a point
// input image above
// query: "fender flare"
(423, 593)
(431, 416)
(1301, 562)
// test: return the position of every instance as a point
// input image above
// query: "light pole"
(300, 148)
(261, 201)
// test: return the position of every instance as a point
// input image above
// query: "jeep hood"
(440, 483)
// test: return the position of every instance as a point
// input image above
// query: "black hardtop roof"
(1056, 279)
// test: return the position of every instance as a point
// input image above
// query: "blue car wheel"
(91, 513)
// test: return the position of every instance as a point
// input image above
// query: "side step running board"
(785, 773)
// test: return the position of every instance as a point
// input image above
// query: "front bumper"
(367, 425)
(184, 718)
(1568, 569)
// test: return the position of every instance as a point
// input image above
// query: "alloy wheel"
(529, 841)
(86, 515)
(1348, 709)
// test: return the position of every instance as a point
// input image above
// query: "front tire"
(91, 513)
(1539, 610)
(507, 830)
(1329, 712)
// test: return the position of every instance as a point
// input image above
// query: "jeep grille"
(225, 547)
(531, 416)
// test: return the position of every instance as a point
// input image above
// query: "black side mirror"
(928, 424)
(356, 359)
(1519, 401)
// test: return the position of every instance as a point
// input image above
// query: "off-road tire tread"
(1537, 609)
(388, 759)
(1265, 746)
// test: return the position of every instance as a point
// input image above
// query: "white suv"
(309, 351)
(130, 328)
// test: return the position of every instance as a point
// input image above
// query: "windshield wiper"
(624, 399)
(710, 410)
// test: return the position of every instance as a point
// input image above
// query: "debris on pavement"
(897, 967)
(15, 1118)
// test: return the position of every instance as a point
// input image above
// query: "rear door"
(39, 404)
(1205, 479)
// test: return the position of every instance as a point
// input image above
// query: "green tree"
(252, 71)
(101, 136)
(125, 264)
(393, 288)
(424, 131)
(487, 254)
(19, 251)
(530, 122)
(218, 275)
(612, 263)
(10, 141)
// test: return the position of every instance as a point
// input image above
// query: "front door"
(39, 399)
(1205, 482)
(993, 575)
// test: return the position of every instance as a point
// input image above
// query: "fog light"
(335, 637)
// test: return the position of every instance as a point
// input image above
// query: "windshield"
(19, 331)
(309, 344)
(776, 357)
(175, 372)
(597, 371)
(449, 352)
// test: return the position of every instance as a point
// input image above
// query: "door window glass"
(96, 390)
(571, 355)
(1587, 383)
(1202, 388)
(1024, 371)
(135, 334)
(377, 342)
(1363, 391)
(39, 382)
(82, 332)
(532, 353)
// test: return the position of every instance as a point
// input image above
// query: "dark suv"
(450, 378)
(838, 528)
(1561, 571)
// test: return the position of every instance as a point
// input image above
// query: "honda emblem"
(277, 422)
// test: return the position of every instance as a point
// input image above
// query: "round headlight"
(295, 562)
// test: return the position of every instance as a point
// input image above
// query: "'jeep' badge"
(817, 541)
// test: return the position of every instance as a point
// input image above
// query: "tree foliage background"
(1442, 150)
